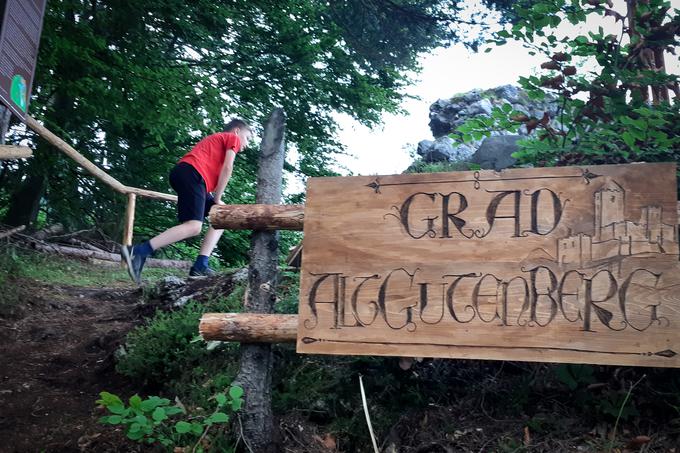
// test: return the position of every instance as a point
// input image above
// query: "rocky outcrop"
(447, 114)
(495, 153)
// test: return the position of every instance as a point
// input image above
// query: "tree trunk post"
(255, 373)
(5, 118)
(129, 219)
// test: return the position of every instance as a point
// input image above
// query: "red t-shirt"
(207, 157)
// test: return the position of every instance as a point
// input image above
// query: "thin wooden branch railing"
(81, 160)
(101, 175)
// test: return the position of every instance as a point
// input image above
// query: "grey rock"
(462, 152)
(495, 152)
(447, 114)
(439, 125)
(472, 96)
(508, 92)
(481, 107)
(443, 150)
(424, 146)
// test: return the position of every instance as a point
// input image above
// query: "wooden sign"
(19, 38)
(568, 264)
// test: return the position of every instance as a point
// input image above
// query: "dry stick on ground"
(368, 417)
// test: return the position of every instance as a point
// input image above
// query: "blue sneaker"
(134, 261)
(201, 272)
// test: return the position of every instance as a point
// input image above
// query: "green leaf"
(182, 427)
(219, 417)
(141, 419)
(236, 391)
(117, 408)
(637, 134)
(135, 435)
(108, 399)
(236, 404)
(628, 139)
(159, 414)
(507, 108)
(173, 410)
(152, 402)
(196, 428)
(221, 399)
(135, 402)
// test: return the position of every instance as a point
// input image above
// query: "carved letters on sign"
(558, 264)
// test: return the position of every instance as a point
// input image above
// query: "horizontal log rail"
(257, 217)
(11, 152)
(249, 327)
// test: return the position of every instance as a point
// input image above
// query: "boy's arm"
(225, 174)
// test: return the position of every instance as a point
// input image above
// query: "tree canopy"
(132, 85)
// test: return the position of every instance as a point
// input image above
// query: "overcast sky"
(445, 72)
(382, 150)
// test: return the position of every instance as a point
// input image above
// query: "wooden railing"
(101, 175)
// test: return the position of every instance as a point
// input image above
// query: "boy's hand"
(219, 201)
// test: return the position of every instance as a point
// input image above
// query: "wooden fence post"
(255, 373)
(129, 219)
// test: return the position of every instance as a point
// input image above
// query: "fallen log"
(249, 327)
(51, 230)
(8, 233)
(100, 255)
(10, 152)
(257, 217)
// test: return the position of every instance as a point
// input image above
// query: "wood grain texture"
(569, 264)
(257, 217)
(128, 232)
(8, 152)
(249, 327)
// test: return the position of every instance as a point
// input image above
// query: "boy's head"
(241, 129)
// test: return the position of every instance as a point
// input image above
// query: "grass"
(421, 166)
(54, 269)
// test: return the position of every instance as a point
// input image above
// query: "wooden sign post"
(568, 264)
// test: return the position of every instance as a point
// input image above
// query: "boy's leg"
(210, 241)
(137, 255)
(191, 199)
(200, 267)
(184, 230)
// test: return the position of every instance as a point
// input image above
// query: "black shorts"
(193, 200)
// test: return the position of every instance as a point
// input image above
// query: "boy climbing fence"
(199, 178)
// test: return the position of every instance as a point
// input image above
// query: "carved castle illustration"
(614, 236)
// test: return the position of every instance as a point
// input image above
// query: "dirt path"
(55, 360)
